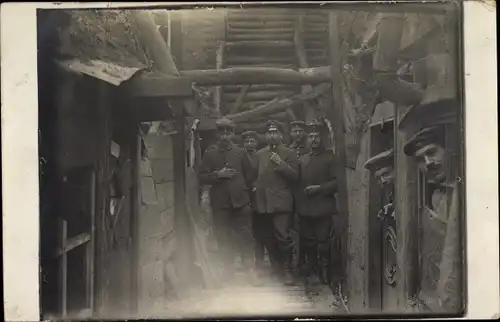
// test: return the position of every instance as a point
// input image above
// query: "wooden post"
(336, 117)
(406, 207)
(165, 61)
(63, 267)
(302, 62)
(134, 221)
(219, 64)
(183, 229)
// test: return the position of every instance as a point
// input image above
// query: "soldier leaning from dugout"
(250, 143)
(439, 292)
(316, 205)
(382, 166)
(228, 169)
(277, 167)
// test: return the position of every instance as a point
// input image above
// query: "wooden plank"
(158, 85)
(135, 206)
(271, 31)
(263, 25)
(260, 43)
(260, 36)
(260, 60)
(406, 206)
(63, 268)
(73, 243)
(336, 117)
(91, 243)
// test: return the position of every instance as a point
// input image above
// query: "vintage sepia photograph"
(252, 161)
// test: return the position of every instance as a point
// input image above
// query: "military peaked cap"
(273, 125)
(316, 127)
(224, 124)
(251, 134)
(301, 124)
(426, 136)
(381, 160)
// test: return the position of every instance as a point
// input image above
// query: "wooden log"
(260, 44)
(336, 117)
(302, 59)
(239, 100)
(259, 75)
(219, 64)
(260, 36)
(279, 105)
(261, 87)
(260, 60)
(257, 65)
(261, 95)
(270, 31)
(268, 24)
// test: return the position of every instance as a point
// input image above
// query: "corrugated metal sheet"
(108, 72)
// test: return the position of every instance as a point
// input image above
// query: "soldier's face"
(250, 143)
(225, 136)
(385, 175)
(298, 134)
(274, 137)
(431, 160)
(314, 139)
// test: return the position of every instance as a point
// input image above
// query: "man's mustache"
(433, 166)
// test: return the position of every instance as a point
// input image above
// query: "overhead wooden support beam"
(259, 75)
(336, 117)
(159, 85)
(279, 105)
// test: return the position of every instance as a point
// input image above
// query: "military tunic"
(230, 200)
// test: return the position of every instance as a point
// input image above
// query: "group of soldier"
(259, 197)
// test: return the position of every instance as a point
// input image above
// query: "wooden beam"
(159, 85)
(336, 117)
(259, 75)
(239, 100)
(259, 44)
(279, 105)
(302, 60)
(73, 243)
(219, 64)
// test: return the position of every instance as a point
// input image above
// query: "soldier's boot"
(288, 278)
(313, 278)
(324, 269)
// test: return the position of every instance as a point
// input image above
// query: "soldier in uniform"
(277, 173)
(228, 169)
(317, 205)
(250, 142)
(299, 137)
(299, 144)
(428, 147)
(382, 166)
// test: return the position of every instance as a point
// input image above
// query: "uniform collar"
(317, 151)
(229, 147)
